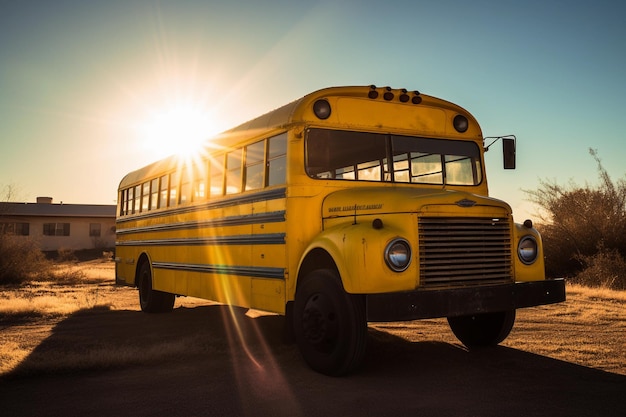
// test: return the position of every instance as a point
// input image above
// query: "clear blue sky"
(80, 80)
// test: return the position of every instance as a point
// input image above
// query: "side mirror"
(508, 153)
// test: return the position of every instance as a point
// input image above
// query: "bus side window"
(123, 202)
(131, 200)
(233, 172)
(137, 202)
(277, 160)
(216, 176)
(199, 181)
(185, 185)
(255, 154)
(145, 196)
(173, 189)
(154, 193)
(163, 192)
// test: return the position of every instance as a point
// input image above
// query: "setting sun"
(179, 128)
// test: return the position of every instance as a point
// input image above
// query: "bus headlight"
(527, 250)
(398, 255)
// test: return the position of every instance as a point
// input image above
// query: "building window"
(56, 229)
(17, 229)
(22, 229)
(94, 229)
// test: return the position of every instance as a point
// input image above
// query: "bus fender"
(357, 251)
(143, 257)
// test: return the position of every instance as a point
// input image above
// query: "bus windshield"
(361, 156)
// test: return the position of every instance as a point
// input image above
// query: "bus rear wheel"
(329, 324)
(480, 330)
(150, 300)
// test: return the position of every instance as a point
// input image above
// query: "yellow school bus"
(347, 206)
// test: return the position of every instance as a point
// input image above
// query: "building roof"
(57, 210)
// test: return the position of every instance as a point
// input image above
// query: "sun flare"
(179, 128)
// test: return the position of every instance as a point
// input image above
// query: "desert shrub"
(66, 255)
(20, 260)
(606, 268)
(584, 228)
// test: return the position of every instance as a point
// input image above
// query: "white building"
(60, 226)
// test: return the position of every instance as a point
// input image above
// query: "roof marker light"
(372, 93)
(388, 95)
(416, 97)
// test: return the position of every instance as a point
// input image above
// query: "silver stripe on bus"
(249, 271)
(271, 217)
(265, 239)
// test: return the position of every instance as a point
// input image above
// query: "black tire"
(152, 301)
(329, 325)
(482, 330)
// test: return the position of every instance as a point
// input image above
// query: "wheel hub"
(318, 322)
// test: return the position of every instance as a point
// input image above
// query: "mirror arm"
(509, 143)
(495, 139)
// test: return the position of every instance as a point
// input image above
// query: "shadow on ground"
(214, 360)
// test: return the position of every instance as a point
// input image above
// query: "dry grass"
(588, 329)
(67, 288)
(30, 313)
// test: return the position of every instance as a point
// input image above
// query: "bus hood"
(380, 200)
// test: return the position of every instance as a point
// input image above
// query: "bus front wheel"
(481, 330)
(329, 324)
(150, 300)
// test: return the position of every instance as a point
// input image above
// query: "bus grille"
(464, 251)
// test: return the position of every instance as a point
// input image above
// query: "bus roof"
(294, 112)
(299, 111)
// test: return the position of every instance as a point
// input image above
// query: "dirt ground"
(205, 359)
